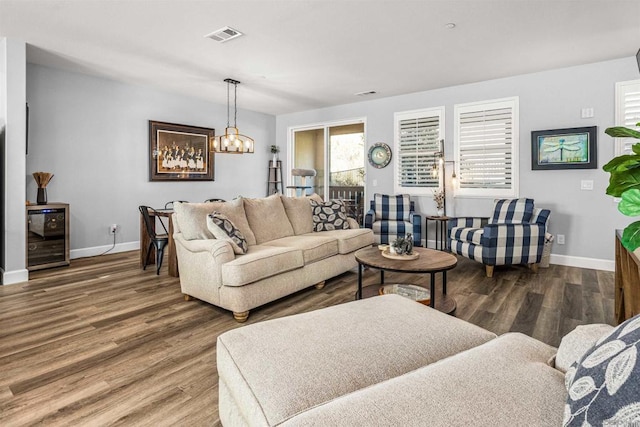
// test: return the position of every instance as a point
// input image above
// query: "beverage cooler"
(47, 236)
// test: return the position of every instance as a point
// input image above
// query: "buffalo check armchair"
(393, 216)
(513, 235)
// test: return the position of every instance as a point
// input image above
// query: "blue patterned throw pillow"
(222, 228)
(329, 215)
(604, 385)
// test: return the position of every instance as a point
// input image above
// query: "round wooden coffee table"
(430, 262)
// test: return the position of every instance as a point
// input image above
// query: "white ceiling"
(300, 55)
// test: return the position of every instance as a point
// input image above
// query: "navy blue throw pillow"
(604, 385)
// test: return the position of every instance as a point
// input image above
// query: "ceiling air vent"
(224, 34)
(366, 93)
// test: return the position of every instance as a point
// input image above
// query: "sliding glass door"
(337, 154)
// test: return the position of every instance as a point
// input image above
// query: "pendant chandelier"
(232, 141)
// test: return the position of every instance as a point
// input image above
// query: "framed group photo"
(572, 148)
(180, 152)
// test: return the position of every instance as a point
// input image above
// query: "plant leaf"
(622, 132)
(630, 203)
(619, 182)
(631, 236)
(623, 163)
(635, 148)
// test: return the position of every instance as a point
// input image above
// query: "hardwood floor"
(105, 343)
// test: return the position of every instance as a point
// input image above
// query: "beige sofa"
(388, 361)
(285, 255)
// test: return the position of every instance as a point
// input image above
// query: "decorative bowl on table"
(401, 257)
(383, 247)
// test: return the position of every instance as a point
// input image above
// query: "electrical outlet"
(113, 228)
(561, 239)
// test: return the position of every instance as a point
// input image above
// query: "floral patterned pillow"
(222, 228)
(329, 215)
(604, 385)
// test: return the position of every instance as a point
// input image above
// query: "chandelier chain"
(235, 104)
(227, 104)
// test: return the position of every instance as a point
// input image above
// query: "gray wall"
(12, 119)
(548, 100)
(92, 134)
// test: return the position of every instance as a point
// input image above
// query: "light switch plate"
(587, 113)
(586, 184)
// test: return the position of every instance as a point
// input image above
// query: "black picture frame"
(570, 148)
(180, 152)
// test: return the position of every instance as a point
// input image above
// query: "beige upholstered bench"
(274, 370)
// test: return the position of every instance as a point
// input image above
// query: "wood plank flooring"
(105, 343)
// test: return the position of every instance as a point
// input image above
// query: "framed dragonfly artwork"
(572, 148)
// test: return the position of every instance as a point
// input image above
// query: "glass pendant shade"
(233, 141)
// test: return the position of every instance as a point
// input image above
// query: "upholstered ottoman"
(271, 371)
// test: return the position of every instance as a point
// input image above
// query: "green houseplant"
(624, 182)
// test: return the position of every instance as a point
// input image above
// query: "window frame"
(621, 89)
(509, 102)
(438, 112)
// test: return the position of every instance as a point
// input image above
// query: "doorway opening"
(337, 154)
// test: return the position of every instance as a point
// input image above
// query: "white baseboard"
(582, 262)
(569, 261)
(98, 250)
(15, 276)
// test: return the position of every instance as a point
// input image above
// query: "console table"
(627, 282)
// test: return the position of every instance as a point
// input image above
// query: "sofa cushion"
(192, 218)
(391, 228)
(576, 343)
(511, 211)
(604, 385)
(315, 357)
(395, 208)
(259, 263)
(330, 215)
(267, 218)
(298, 211)
(313, 247)
(470, 235)
(349, 240)
(504, 382)
(223, 229)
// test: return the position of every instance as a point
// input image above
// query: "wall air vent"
(224, 34)
(366, 93)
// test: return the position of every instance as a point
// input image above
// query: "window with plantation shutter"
(486, 148)
(417, 139)
(627, 113)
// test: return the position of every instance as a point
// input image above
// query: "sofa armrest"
(200, 264)
(353, 224)
(416, 221)
(368, 219)
(467, 222)
(221, 250)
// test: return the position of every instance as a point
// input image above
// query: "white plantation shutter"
(486, 145)
(627, 113)
(417, 138)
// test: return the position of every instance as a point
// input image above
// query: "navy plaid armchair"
(393, 216)
(513, 235)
